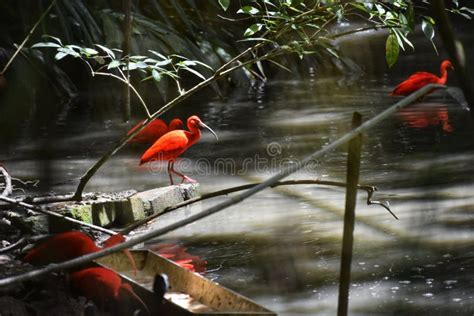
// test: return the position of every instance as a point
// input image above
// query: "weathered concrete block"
(129, 211)
(81, 212)
(157, 200)
(103, 213)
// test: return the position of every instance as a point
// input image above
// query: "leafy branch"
(103, 61)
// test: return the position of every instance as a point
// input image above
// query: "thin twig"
(28, 36)
(384, 204)
(66, 218)
(289, 169)
(21, 242)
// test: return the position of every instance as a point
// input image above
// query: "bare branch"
(22, 242)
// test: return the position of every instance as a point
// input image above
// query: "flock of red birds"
(168, 143)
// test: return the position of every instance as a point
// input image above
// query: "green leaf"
(252, 29)
(189, 63)
(89, 51)
(399, 38)
(107, 50)
(428, 29)
(141, 65)
(380, 9)
(113, 64)
(54, 38)
(468, 10)
(163, 63)
(158, 54)
(68, 51)
(391, 50)
(248, 10)
(156, 75)
(60, 55)
(368, 5)
(131, 66)
(224, 4)
(45, 44)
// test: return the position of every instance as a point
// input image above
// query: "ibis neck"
(195, 133)
(444, 75)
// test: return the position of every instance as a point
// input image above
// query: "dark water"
(281, 247)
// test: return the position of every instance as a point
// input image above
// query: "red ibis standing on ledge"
(171, 145)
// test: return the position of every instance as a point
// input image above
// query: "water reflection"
(420, 116)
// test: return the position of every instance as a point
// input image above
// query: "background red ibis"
(154, 130)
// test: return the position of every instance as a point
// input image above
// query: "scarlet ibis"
(154, 130)
(69, 245)
(421, 79)
(171, 145)
(105, 287)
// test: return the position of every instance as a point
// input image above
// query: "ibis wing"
(423, 78)
(414, 82)
(169, 146)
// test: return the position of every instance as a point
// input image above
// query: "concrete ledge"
(122, 208)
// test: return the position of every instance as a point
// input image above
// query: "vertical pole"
(127, 31)
(353, 168)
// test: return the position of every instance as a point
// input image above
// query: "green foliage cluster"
(107, 59)
(310, 22)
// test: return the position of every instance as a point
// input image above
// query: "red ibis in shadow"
(154, 130)
(421, 79)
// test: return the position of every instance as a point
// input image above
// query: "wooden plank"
(190, 293)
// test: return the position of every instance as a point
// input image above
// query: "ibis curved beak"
(210, 130)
